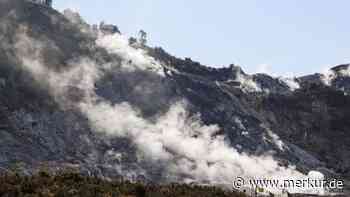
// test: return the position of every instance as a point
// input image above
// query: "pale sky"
(293, 37)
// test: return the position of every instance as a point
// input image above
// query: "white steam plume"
(247, 83)
(133, 58)
(290, 82)
(189, 150)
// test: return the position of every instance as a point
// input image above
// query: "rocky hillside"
(308, 113)
(73, 96)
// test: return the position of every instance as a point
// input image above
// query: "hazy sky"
(282, 37)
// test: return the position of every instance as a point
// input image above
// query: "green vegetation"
(73, 184)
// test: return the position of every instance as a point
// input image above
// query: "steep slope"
(308, 119)
(72, 96)
(34, 127)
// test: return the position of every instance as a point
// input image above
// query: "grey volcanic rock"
(271, 84)
(312, 119)
(342, 79)
(307, 127)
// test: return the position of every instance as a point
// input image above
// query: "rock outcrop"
(302, 121)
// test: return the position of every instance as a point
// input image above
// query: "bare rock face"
(302, 121)
(306, 119)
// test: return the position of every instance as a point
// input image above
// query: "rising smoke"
(185, 148)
